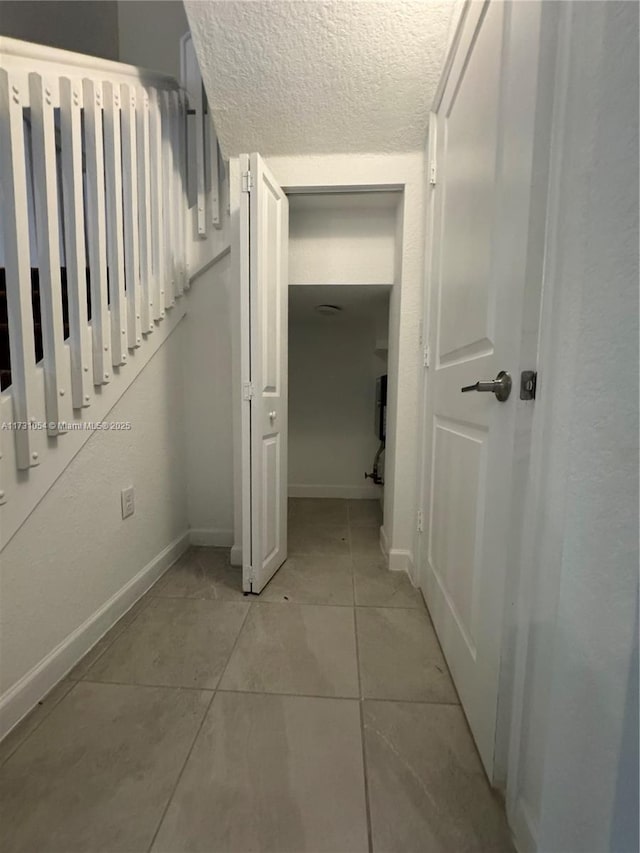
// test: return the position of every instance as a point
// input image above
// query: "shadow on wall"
(625, 835)
(208, 422)
(146, 33)
(79, 25)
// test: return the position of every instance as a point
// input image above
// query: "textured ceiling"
(320, 76)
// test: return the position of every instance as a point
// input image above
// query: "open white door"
(264, 235)
(481, 142)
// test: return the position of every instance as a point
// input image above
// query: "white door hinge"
(420, 525)
(247, 182)
(432, 173)
(247, 391)
(426, 357)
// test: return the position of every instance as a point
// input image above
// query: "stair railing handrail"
(26, 56)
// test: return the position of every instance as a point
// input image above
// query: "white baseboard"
(359, 492)
(398, 560)
(236, 555)
(30, 689)
(523, 829)
(401, 561)
(211, 537)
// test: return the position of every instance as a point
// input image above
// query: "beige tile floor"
(318, 716)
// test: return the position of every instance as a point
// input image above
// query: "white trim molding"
(35, 684)
(524, 830)
(355, 492)
(211, 537)
(401, 560)
(29, 55)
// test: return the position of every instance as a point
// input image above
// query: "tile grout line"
(235, 643)
(180, 774)
(354, 698)
(258, 600)
(325, 604)
(365, 778)
(204, 717)
(20, 744)
(235, 599)
(261, 601)
(118, 634)
(339, 698)
(73, 682)
(149, 686)
(367, 803)
(281, 695)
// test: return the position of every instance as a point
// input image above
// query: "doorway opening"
(338, 368)
(341, 250)
(342, 259)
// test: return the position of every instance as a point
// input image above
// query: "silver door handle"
(500, 386)
(273, 416)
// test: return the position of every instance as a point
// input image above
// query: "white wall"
(140, 32)
(149, 35)
(74, 553)
(208, 420)
(574, 784)
(332, 373)
(74, 566)
(79, 25)
(338, 239)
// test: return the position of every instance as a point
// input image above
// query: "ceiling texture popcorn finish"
(320, 76)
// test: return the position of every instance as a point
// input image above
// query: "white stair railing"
(93, 171)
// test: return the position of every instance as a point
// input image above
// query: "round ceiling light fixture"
(328, 310)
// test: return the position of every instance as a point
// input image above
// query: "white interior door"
(481, 142)
(264, 234)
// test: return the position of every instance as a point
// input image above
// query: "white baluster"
(176, 194)
(57, 389)
(215, 174)
(200, 173)
(72, 191)
(167, 200)
(157, 217)
(184, 196)
(130, 201)
(17, 263)
(115, 247)
(144, 212)
(96, 231)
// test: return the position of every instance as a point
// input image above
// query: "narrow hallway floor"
(318, 716)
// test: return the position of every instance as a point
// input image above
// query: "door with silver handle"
(500, 386)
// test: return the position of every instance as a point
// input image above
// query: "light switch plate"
(128, 503)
